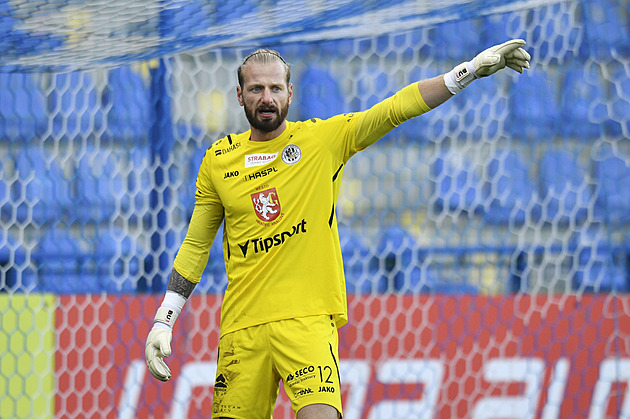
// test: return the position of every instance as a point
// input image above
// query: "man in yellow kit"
(275, 188)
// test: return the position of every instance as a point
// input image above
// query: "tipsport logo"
(267, 243)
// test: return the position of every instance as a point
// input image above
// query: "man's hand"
(508, 54)
(158, 346)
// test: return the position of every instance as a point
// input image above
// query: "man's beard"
(267, 125)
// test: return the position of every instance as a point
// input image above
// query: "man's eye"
(255, 89)
(276, 89)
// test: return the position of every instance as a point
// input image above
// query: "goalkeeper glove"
(508, 54)
(158, 345)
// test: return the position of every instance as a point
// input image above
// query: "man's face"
(265, 95)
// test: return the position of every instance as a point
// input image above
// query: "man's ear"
(239, 95)
(290, 93)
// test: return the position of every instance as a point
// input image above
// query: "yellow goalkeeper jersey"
(277, 200)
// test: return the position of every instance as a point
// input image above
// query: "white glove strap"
(459, 77)
(169, 310)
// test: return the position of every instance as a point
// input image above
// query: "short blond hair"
(264, 56)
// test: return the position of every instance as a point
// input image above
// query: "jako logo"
(276, 240)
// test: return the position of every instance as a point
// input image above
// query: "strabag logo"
(259, 159)
(266, 204)
(265, 244)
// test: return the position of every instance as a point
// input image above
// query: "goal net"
(486, 243)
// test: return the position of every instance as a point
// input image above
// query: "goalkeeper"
(275, 187)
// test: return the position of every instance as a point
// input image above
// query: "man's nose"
(266, 96)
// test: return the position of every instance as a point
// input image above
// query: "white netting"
(474, 236)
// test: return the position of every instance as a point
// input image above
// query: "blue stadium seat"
(184, 19)
(118, 262)
(606, 28)
(61, 257)
(129, 116)
(22, 107)
(140, 180)
(318, 94)
(511, 189)
(18, 276)
(360, 267)
(71, 264)
(563, 187)
(618, 124)
(74, 105)
(229, 11)
(583, 105)
(612, 175)
(42, 192)
(100, 185)
(399, 256)
(453, 40)
(458, 186)
(535, 111)
(600, 269)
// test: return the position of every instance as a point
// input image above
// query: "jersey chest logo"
(266, 204)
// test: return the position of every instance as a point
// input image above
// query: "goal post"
(485, 242)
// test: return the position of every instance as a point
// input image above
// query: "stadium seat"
(61, 257)
(229, 11)
(600, 268)
(453, 41)
(186, 18)
(18, 275)
(118, 262)
(606, 29)
(130, 105)
(612, 175)
(534, 116)
(41, 193)
(100, 185)
(512, 191)
(583, 105)
(360, 267)
(74, 106)
(400, 269)
(22, 107)
(72, 264)
(618, 123)
(318, 94)
(140, 180)
(564, 188)
(458, 185)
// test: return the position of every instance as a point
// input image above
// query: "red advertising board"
(401, 357)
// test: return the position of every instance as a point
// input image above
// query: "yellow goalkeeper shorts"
(302, 353)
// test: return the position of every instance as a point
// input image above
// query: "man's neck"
(257, 135)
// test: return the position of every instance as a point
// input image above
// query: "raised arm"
(439, 89)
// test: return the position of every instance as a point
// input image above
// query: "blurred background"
(520, 185)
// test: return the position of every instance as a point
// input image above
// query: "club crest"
(291, 154)
(266, 204)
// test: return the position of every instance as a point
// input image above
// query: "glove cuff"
(460, 76)
(169, 310)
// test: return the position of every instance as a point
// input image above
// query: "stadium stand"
(564, 188)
